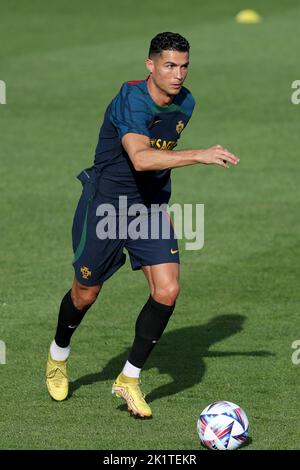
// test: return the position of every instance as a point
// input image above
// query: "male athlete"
(133, 158)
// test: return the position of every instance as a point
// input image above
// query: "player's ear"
(150, 65)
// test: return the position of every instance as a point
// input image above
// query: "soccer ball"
(223, 426)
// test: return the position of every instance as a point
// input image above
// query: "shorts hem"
(87, 283)
(136, 268)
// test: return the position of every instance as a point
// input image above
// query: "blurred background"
(237, 316)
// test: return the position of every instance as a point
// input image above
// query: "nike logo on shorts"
(173, 251)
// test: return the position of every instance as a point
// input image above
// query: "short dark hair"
(168, 42)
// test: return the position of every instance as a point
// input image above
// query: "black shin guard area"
(149, 327)
(68, 320)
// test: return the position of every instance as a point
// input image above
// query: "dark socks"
(149, 327)
(68, 320)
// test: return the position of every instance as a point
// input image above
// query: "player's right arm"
(145, 158)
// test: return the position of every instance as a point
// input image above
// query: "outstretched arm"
(145, 158)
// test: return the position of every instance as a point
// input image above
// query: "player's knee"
(83, 296)
(167, 294)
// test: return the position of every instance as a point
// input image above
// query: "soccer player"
(134, 157)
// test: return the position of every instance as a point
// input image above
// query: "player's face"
(169, 70)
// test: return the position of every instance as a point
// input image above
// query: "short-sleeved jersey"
(133, 110)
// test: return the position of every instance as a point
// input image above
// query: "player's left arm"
(145, 158)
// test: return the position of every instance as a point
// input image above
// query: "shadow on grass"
(179, 354)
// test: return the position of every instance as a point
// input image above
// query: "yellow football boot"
(128, 388)
(57, 379)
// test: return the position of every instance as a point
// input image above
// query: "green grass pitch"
(237, 316)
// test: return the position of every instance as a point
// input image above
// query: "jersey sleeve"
(130, 111)
(188, 104)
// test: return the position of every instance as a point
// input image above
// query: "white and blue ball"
(223, 426)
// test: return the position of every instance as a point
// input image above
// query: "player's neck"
(159, 96)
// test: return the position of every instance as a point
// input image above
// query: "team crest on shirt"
(85, 272)
(179, 127)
